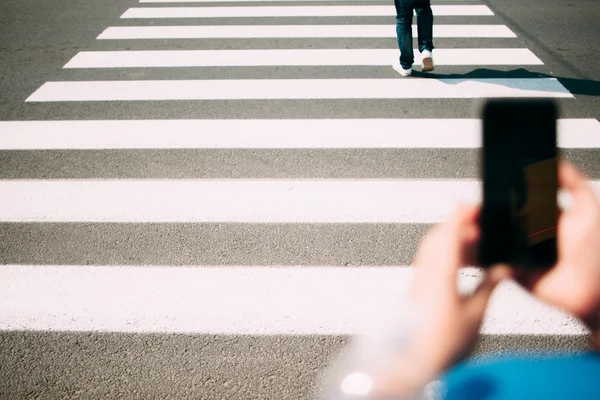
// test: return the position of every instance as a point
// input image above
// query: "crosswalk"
(296, 31)
(238, 206)
(257, 58)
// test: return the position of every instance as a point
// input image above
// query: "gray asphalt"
(38, 37)
(263, 163)
(123, 366)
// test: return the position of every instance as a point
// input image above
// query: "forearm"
(407, 378)
(419, 365)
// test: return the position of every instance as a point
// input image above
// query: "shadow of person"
(519, 79)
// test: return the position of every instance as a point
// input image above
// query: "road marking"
(294, 11)
(277, 89)
(291, 57)
(262, 1)
(268, 134)
(240, 300)
(239, 201)
(297, 31)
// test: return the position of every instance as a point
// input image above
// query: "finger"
(467, 233)
(577, 184)
(462, 224)
(465, 214)
(446, 239)
(442, 251)
(528, 278)
(477, 303)
(556, 287)
(470, 253)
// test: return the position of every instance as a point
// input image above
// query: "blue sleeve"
(557, 376)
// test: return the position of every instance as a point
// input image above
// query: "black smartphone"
(519, 170)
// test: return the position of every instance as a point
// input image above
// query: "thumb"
(478, 302)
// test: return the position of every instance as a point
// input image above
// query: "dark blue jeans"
(404, 18)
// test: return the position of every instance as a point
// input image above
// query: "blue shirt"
(554, 376)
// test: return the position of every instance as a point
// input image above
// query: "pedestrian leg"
(404, 18)
(425, 31)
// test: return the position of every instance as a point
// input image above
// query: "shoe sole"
(401, 72)
(428, 64)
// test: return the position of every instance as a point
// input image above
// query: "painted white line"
(291, 57)
(239, 201)
(263, 1)
(268, 134)
(239, 300)
(277, 89)
(297, 31)
(578, 133)
(294, 11)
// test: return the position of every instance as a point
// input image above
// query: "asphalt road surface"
(201, 202)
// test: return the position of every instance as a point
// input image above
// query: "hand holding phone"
(573, 284)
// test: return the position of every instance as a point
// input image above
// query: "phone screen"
(520, 182)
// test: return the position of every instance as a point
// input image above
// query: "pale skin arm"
(449, 323)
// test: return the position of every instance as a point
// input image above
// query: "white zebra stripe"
(274, 89)
(268, 134)
(294, 11)
(262, 1)
(238, 300)
(291, 57)
(238, 201)
(296, 31)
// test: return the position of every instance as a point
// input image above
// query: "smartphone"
(519, 170)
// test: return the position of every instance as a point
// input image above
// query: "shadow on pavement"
(575, 86)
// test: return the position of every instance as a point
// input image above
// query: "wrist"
(407, 377)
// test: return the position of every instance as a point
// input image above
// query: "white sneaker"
(399, 69)
(427, 61)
